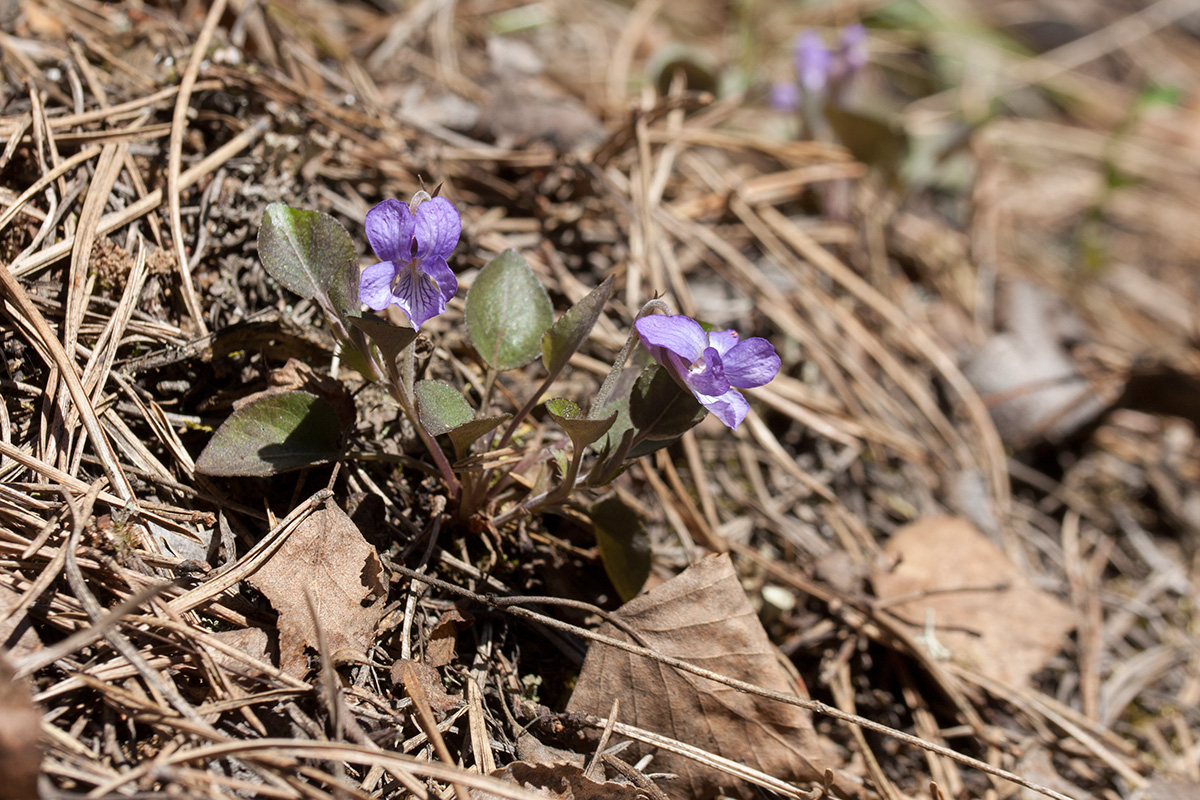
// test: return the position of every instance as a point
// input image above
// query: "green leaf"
(582, 431)
(463, 436)
(572, 328)
(661, 409)
(612, 450)
(273, 434)
(624, 545)
(441, 407)
(508, 310)
(311, 254)
(390, 339)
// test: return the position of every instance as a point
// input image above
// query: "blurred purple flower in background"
(710, 365)
(820, 70)
(852, 55)
(812, 61)
(412, 245)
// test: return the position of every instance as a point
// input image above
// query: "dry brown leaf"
(563, 781)
(1026, 375)
(703, 616)
(518, 117)
(328, 556)
(17, 636)
(20, 730)
(534, 751)
(440, 649)
(1037, 765)
(1170, 788)
(431, 686)
(254, 642)
(1007, 633)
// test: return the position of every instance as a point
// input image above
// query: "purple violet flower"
(812, 61)
(412, 245)
(785, 96)
(853, 51)
(710, 365)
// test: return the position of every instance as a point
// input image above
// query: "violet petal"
(812, 62)
(438, 228)
(709, 377)
(752, 362)
(784, 96)
(390, 228)
(723, 341)
(419, 295)
(437, 269)
(677, 333)
(730, 407)
(375, 285)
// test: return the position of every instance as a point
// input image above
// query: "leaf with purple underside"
(310, 253)
(274, 434)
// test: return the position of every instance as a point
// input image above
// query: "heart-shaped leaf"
(572, 328)
(624, 545)
(465, 435)
(661, 410)
(273, 434)
(508, 310)
(582, 431)
(311, 254)
(441, 407)
(390, 339)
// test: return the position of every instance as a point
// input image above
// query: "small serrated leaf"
(390, 339)
(624, 545)
(582, 431)
(572, 328)
(274, 434)
(311, 254)
(660, 408)
(508, 310)
(465, 435)
(441, 407)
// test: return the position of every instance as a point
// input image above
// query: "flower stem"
(396, 390)
(530, 404)
(399, 382)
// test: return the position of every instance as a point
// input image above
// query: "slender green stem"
(489, 383)
(399, 382)
(408, 368)
(530, 404)
(453, 487)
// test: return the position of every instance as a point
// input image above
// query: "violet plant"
(824, 76)
(651, 397)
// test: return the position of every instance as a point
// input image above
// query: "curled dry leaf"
(328, 556)
(20, 730)
(984, 611)
(703, 616)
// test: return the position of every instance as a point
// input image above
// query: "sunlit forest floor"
(955, 539)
